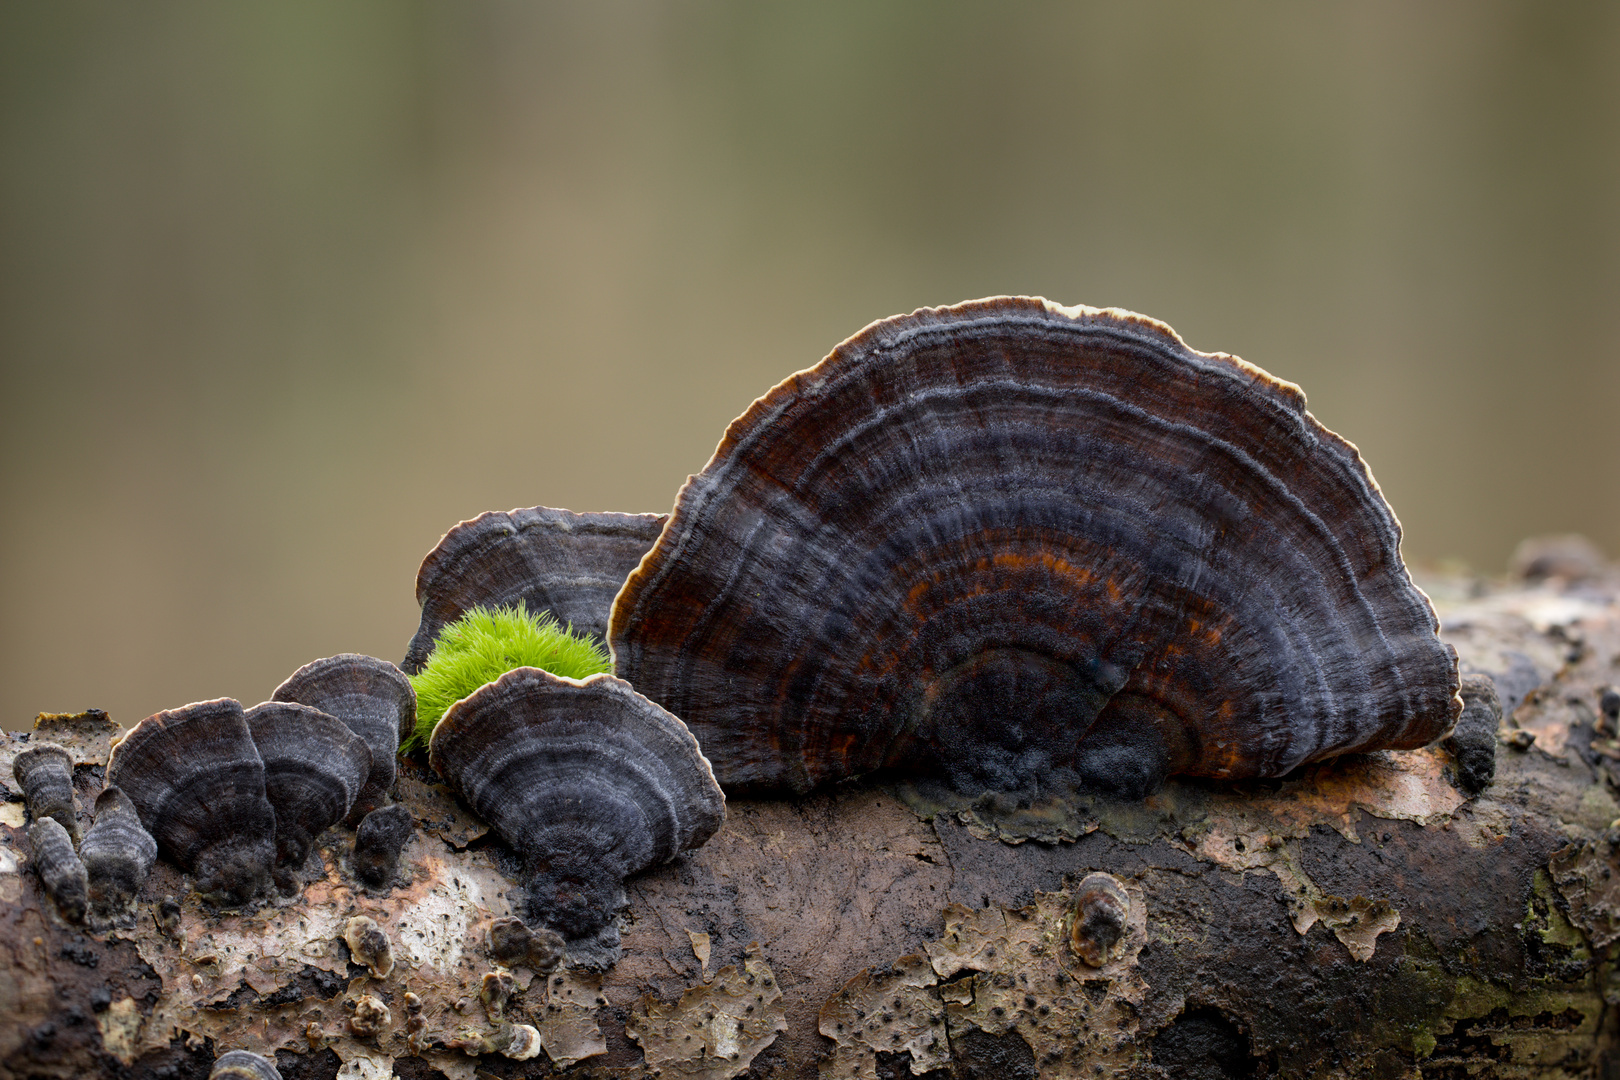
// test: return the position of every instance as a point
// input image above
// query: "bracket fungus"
(1032, 547)
(59, 868)
(45, 772)
(552, 560)
(197, 781)
(589, 781)
(243, 1065)
(118, 855)
(374, 700)
(314, 768)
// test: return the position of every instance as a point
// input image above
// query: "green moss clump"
(485, 644)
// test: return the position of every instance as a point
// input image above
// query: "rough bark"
(1361, 918)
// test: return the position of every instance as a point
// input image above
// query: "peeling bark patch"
(1588, 877)
(716, 1030)
(568, 1027)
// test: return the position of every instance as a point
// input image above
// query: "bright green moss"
(485, 644)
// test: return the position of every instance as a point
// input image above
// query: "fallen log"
(1366, 917)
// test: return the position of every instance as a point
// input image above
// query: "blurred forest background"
(288, 289)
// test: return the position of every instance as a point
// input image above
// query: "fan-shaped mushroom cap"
(589, 780)
(45, 772)
(569, 564)
(314, 768)
(118, 854)
(1009, 541)
(375, 700)
(197, 781)
(243, 1065)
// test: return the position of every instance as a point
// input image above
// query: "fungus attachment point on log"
(589, 781)
(1031, 548)
(378, 841)
(197, 782)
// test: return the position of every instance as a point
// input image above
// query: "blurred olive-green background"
(288, 289)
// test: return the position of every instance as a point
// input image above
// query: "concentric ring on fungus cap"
(1026, 546)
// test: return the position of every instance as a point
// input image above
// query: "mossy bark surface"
(1362, 918)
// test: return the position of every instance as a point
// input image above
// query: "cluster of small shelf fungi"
(1014, 547)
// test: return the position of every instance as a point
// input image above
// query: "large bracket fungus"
(1026, 546)
(376, 702)
(552, 560)
(197, 781)
(589, 781)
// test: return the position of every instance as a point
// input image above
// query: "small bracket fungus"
(1102, 912)
(550, 560)
(314, 767)
(197, 781)
(118, 855)
(1473, 741)
(370, 1015)
(1032, 548)
(512, 943)
(494, 990)
(45, 772)
(589, 781)
(374, 700)
(60, 870)
(380, 837)
(368, 945)
(243, 1065)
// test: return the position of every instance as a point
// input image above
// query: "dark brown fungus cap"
(371, 696)
(45, 772)
(197, 781)
(569, 564)
(589, 781)
(1022, 546)
(59, 868)
(118, 855)
(314, 768)
(380, 837)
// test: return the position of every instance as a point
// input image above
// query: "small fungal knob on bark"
(1101, 912)
(495, 989)
(167, 917)
(517, 1041)
(45, 772)
(374, 699)
(512, 943)
(368, 944)
(371, 1015)
(243, 1065)
(197, 782)
(117, 854)
(378, 841)
(60, 870)
(1473, 741)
